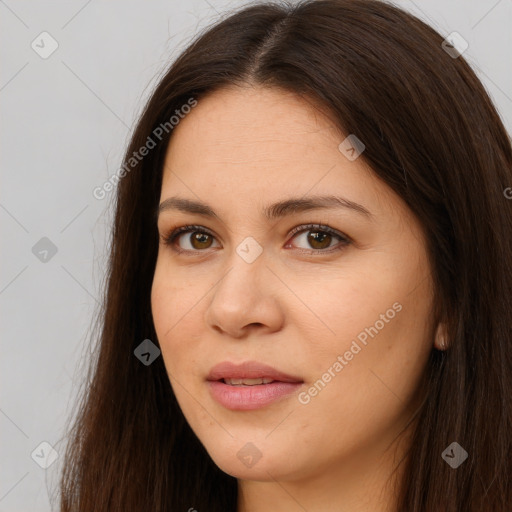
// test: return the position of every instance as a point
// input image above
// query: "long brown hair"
(431, 134)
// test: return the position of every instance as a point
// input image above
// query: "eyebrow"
(271, 212)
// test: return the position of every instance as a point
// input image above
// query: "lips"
(248, 373)
(250, 385)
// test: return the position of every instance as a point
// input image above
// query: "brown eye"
(316, 238)
(189, 238)
(200, 240)
(319, 238)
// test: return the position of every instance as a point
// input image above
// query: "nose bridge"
(242, 295)
(246, 266)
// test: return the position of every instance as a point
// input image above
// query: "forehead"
(254, 146)
(253, 129)
(257, 111)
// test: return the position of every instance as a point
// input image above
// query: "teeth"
(247, 382)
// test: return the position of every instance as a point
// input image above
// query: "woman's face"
(343, 310)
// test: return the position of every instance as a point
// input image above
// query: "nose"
(245, 300)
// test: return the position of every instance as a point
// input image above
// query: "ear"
(441, 337)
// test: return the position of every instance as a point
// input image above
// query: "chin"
(248, 460)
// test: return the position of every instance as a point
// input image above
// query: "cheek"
(176, 308)
(162, 308)
(169, 299)
(369, 400)
(175, 332)
(383, 335)
(168, 317)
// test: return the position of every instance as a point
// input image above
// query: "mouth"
(250, 385)
(247, 382)
(248, 373)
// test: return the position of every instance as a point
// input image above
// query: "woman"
(308, 303)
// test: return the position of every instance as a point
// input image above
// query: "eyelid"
(319, 227)
(177, 231)
(174, 233)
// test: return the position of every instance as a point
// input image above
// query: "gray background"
(65, 122)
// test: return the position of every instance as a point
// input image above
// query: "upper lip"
(248, 370)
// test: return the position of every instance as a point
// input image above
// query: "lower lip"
(247, 398)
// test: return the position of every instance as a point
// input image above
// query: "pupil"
(200, 238)
(316, 237)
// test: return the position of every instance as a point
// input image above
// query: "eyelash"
(169, 239)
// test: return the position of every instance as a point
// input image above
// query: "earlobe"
(441, 338)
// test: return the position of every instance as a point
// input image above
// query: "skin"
(239, 150)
